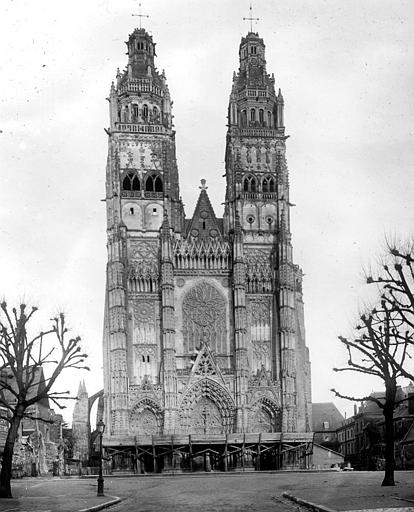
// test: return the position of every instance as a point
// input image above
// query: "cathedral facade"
(204, 334)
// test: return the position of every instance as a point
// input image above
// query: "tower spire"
(140, 16)
(249, 18)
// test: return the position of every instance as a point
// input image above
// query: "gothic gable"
(205, 366)
(204, 224)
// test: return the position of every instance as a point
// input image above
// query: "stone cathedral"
(204, 340)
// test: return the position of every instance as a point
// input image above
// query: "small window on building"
(261, 116)
(269, 119)
(326, 425)
(145, 111)
(158, 184)
(154, 211)
(135, 183)
(131, 211)
(252, 114)
(135, 110)
(143, 359)
(148, 359)
(204, 224)
(244, 118)
(126, 114)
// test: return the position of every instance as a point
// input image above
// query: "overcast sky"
(346, 72)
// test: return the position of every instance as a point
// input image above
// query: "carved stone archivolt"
(265, 416)
(204, 318)
(206, 407)
(146, 418)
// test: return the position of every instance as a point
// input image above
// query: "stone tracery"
(204, 310)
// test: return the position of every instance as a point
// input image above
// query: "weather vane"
(140, 15)
(250, 18)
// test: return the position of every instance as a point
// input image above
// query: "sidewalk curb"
(103, 505)
(308, 504)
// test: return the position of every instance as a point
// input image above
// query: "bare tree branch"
(22, 381)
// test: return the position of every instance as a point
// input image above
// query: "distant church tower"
(204, 331)
(80, 425)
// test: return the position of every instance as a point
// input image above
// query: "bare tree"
(380, 349)
(395, 280)
(22, 382)
(384, 347)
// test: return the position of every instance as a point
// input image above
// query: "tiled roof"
(326, 411)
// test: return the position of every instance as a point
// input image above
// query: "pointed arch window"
(252, 115)
(268, 184)
(153, 183)
(249, 184)
(131, 182)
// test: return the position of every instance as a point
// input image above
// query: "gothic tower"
(204, 331)
(257, 198)
(141, 191)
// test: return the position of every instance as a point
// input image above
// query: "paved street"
(207, 493)
(215, 492)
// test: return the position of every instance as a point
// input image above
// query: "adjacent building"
(361, 437)
(38, 449)
(326, 421)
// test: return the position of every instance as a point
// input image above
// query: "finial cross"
(140, 15)
(250, 18)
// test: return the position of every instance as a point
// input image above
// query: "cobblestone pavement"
(52, 495)
(212, 492)
(263, 492)
(208, 493)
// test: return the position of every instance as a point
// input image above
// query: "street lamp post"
(101, 429)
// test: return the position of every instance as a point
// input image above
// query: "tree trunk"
(6, 468)
(389, 445)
